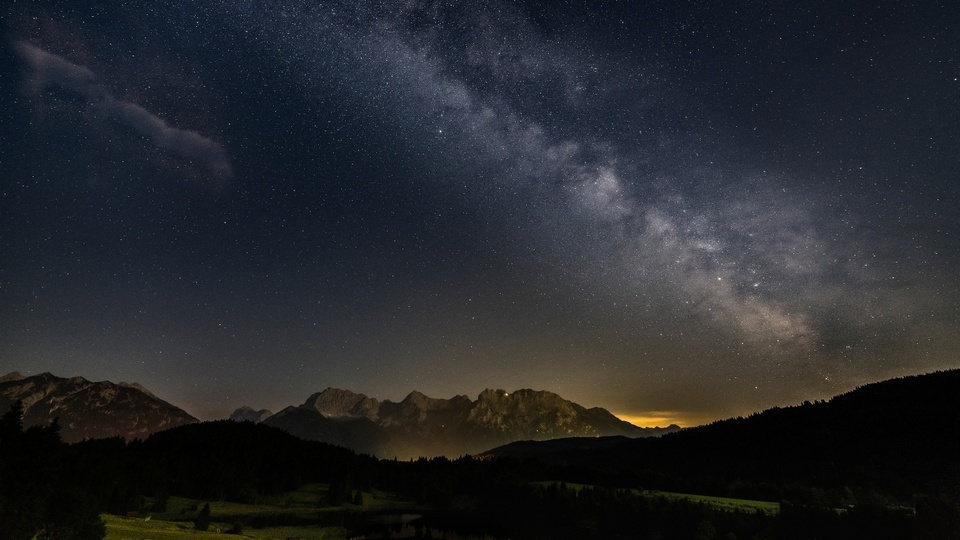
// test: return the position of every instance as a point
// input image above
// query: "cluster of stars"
(694, 214)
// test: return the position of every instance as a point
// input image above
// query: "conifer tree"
(202, 522)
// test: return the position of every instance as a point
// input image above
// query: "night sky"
(678, 211)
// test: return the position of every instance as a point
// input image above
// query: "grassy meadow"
(308, 503)
(719, 503)
(122, 528)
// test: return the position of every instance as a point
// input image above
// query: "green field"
(176, 521)
(120, 528)
(308, 503)
(722, 503)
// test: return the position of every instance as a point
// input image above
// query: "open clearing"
(722, 503)
(119, 528)
(175, 522)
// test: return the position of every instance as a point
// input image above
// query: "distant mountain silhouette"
(900, 435)
(90, 410)
(247, 414)
(423, 426)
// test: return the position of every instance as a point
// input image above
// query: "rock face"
(423, 426)
(90, 410)
(343, 404)
(12, 376)
(247, 414)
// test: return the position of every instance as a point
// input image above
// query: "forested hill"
(47, 481)
(898, 435)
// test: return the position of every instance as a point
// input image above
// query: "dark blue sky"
(674, 210)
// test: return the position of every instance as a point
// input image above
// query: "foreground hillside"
(897, 436)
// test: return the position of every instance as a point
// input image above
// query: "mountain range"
(417, 426)
(420, 425)
(898, 435)
(90, 410)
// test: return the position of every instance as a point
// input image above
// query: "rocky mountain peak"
(420, 425)
(90, 409)
(424, 402)
(416, 395)
(137, 386)
(523, 398)
(12, 376)
(337, 403)
(248, 414)
(528, 412)
(499, 399)
(493, 395)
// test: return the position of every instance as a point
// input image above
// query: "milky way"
(681, 212)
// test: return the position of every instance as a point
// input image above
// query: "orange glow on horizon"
(661, 419)
(653, 419)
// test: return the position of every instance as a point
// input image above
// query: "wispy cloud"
(47, 70)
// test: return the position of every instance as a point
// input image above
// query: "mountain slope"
(423, 426)
(90, 410)
(336, 403)
(247, 414)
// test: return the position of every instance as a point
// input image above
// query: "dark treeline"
(895, 436)
(880, 444)
(58, 490)
(512, 498)
(39, 492)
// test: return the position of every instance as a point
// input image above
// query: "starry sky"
(678, 211)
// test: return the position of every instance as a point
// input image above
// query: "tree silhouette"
(202, 522)
(38, 495)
